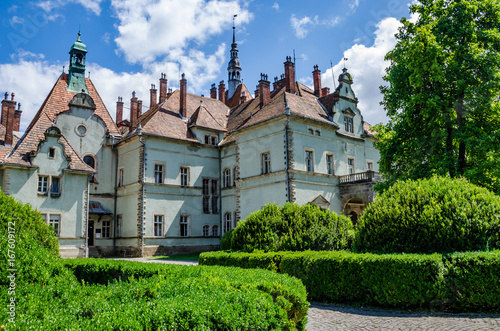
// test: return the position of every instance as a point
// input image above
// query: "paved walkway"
(333, 317)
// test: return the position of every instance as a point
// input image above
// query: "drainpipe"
(115, 151)
(139, 133)
(220, 195)
(87, 217)
(287, 111)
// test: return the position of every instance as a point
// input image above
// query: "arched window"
(215, 230)
(227, 177)
(206, 230)
(227, 222)
(90, 161)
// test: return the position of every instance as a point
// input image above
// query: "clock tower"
(76, 79)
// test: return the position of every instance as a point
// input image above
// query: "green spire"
(77, 55)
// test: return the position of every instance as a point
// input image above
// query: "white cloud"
(150, 30)
(105, 37)
(367, 66)
(354, 4)
(16, 20)
(276, 6)
(91, 5)
(302, 26)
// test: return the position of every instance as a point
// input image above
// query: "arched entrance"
(354, 208)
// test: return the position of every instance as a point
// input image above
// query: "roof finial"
(345, 59)
(234, 36)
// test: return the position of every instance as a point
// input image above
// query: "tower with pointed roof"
(76, 79)
(233, 68)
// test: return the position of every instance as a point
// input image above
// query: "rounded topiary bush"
(28, 245)
(290, 228)
(439, 214)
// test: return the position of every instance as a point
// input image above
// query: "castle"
(174, 178)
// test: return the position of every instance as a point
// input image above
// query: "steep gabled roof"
(236, 98)
(164, 119)
(57, 102)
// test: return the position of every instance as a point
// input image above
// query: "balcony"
(361, 177)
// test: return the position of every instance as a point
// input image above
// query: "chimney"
(264, 90)
(317, 81)
(133, 112)
(9, 126)
(17, 117)
(152, 96)
(5, 109)
(289, 75)
(222, 92)
(163, 87)
(119, 111)
(256, 91)
(243, 97)
(325, 91)
(183, 97)
(139, 110)
(213, 92)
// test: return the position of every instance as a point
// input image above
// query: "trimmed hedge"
(438, 214)
(290, 228)
(459, 281)
(124, 295)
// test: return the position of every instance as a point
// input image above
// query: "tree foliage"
(442, 94)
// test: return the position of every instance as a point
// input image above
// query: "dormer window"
(52, 152)
(348, 124)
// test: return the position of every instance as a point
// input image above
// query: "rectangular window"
(215, 230)
(266, 162)
(369, 166)
(348, 125)
(158, 226)
(120, 177)
(184, 176)
(212, 140)
(207, 139)
(227, 177)
(309, 161)
(159, 173)
(210, 193)
(43, 182)
(52, 152)
(206, 230)
(106, 229)
(55, 186)
(119, 230)
(350, 166)
(54, 221)
(329, 164)
(184, 226)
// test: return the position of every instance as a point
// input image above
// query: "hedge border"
(451, 282)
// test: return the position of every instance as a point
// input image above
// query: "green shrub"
(28, 244)
(163, 296)
(473, 281)
(268, 261)
(290, 228)
(430, 215)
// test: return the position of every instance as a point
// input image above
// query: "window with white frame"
(329, 164)
(210, 139)
(309, 157)
(215, 230)
(119, 223)
(55, 222)
(158, 226)
(106, 229)
(184, 176)
(348, 124)
(206, 230)
(210, 192)
(120, 177)
(350, 165)
(184, 226)
(43, 184)
(266, 162)
(227, 177)
(159, 173)
(369, 166)
(227, 222)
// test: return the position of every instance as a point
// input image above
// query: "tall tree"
(442, 94)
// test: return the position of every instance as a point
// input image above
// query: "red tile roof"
(236, 98)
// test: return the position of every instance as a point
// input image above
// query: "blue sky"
(130, 42)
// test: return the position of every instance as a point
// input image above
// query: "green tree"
(442, 94)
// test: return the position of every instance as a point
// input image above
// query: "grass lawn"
(186, 257)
